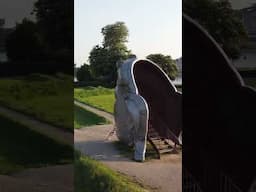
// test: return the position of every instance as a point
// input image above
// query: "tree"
(83, 73)
(25, 42)
(103, 58)
(99, 61)
(166, 63)
(55, 19)
(221, 21)
(115, 36)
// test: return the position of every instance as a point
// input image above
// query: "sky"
(15, 10)
(154, 25)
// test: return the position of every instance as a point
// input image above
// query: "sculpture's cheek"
(124, 121)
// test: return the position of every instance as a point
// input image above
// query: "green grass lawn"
(99, 97)
(250, 82)
(22, 148)
(47, 98)
(93, 176)
(179, 89)
(84, 118)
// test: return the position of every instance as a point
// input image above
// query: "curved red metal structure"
(219, 122)
(163, 99)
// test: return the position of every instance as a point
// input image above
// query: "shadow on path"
(160, 175)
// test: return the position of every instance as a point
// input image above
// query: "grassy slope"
(47, 98)
(85, 118)
(21, 148)
(92, 176)
(99, 97)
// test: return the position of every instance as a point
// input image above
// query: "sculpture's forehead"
(125, 76)
(124, 71)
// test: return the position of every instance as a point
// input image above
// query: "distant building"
(4, 32)
(248, 54)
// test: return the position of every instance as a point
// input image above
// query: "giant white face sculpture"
(145, 95)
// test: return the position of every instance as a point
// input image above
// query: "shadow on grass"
(22, 148)
(83, 118)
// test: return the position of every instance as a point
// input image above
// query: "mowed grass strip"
(250, 82)
(103, 102)
(22, 148)
(47, 98)
(93, 176)
(83, 118)
(98, 97)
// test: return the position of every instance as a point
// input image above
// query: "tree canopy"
(103, 58)
(50, 37)
(115, 36)
(83, 73)
(25, 42)
(55, 19)
(166, 63)
(221, 21)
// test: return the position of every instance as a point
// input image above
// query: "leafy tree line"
(166, 63)
(48, 39)
(83, 73)
(221, 21)
(103, 58)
